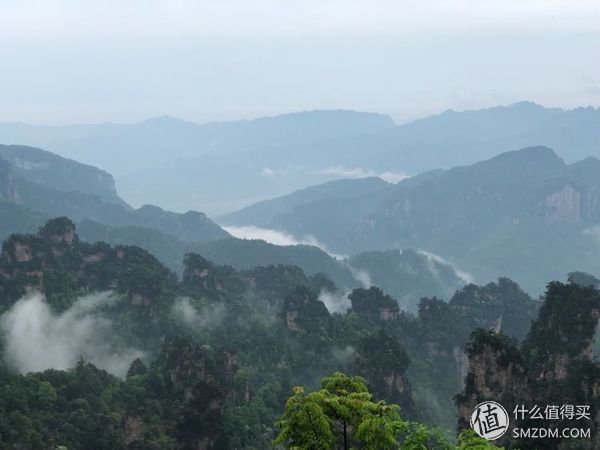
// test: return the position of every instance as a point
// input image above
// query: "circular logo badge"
(490, 420)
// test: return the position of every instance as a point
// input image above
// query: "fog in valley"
(299, 225)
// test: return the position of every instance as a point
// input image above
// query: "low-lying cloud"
(207, 317)
(359, 172)
(335, 302)
(267, 172)
(36, 339)
(360, 275)
(432, 257)
(344, 356)
(594, 232)
(275, 237)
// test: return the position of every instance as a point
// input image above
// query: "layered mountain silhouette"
(252, 160)
(36, 185)
(491, 218)
(39, 184)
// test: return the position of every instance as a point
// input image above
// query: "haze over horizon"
(105, 61)
(285, 224)
(176, 118)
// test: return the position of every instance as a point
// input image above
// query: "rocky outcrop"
(8, 189)
(55, 172)
(133, 429)
(54, 261)
(553, 365)
(563, 206)
(383, 361)
(204, 276)
(496, 371)
(374, 305)
(200, 380)
(461, 360)
(304, 313)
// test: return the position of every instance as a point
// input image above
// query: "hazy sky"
(72, 61)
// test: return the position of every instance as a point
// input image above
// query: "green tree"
(305, 424)
(342, 413)
(468, 440)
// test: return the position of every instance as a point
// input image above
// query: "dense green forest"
(299, 225)
(525, 214)
(220, 351)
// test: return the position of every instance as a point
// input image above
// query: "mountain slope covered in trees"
(36, 185)
(525, 214)
(219, 350)
(553, 365)
(37, 181)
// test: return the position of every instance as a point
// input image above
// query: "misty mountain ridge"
(203, 332)
(486, 219)
(36, 185)
(45, 168)
(277, 155)
(167, 138)
(523, 212)
(407, 275)
(493, 217)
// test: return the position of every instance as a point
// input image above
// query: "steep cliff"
(53, 171)
(42, 183)
(55, 262)
(8, 192)
(552, 366)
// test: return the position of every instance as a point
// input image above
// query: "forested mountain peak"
(45, 168)
(485, 218)
(552, 366)
(233, 337)
(40, 184)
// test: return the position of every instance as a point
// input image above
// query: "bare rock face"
(304, 313)
(203, 275)
(36, 261)
(496, 370)
(373, 304)
(133, 429)
(8, 189)
(290, 320)
(386, 314)
(563, 206)
(22, 252)
(383, 361)
(553, 365)
(195, 378)
(462, 365)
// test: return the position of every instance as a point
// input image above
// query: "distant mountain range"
(177, 164)
(493, 218)
(489, 219)
(407, 274)
(39, 184)
(36, 185)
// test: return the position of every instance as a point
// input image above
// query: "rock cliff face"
(198, 382)
(8, 190)
(499, 216)
(56, 263)
(373, 304)
(382, 360)
(564, 206)
(44, 183)
(53, 171)
(553, 365)
(304, 313)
